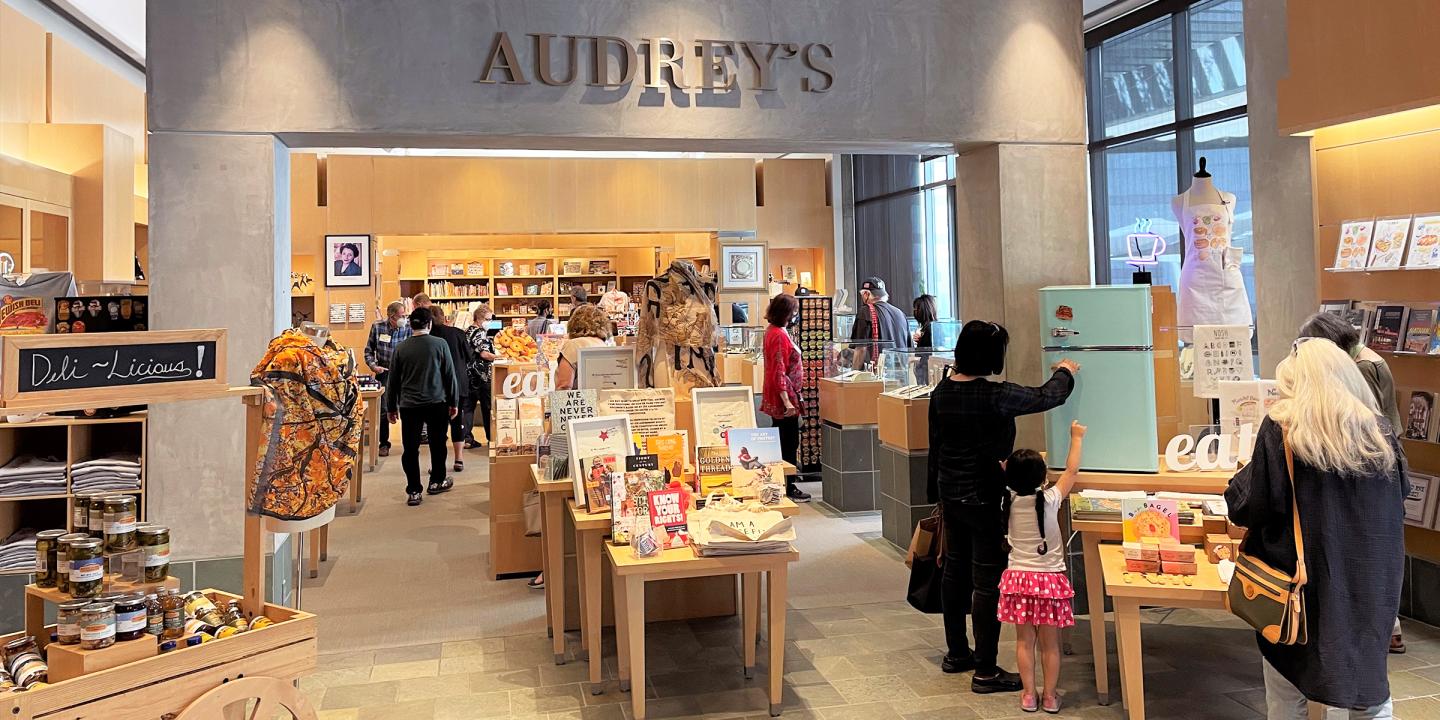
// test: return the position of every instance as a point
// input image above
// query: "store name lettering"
(704, 65)
(1213, 452)
(530, 384)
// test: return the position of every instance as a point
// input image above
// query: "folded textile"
(117, 458)
(29, 464)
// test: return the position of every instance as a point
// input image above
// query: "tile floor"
(862, 662)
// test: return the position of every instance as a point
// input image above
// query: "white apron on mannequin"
(1212, 291)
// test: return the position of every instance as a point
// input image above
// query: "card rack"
(813, 332)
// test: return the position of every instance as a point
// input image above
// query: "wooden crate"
(70, 661)
(903, 423)
(849, 403)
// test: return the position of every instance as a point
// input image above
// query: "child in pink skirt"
(1034, 592)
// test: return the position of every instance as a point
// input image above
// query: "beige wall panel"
(102, 161)
(119, 196)
(35, 182)
(617, 195)
(1350, 61)
(22, 79)
(727, 189)
(84, 91)
(350, 193)
(308, 221)
(794, 183)
(783, 227)
(1396, 176)
(977, 234)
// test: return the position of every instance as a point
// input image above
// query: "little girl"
(1034, 592)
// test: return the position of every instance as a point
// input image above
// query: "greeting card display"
(1150, 518)
(1388, 246)
(668, 508)
(600, 474)
(1419, 414)
(1424, 242)
(754, 460)
(630, 495)
(1354, 248)
(606, 435)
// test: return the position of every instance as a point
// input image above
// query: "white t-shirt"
(1025, 537)
(570, 349)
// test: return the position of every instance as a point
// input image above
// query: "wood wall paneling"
(34, 182)
(84, 91)
(350, 192)
(22, 80)
(101, 160)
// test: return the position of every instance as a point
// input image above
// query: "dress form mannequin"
(1212, 291)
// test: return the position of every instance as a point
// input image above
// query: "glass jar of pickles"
(154, 543)
(62, 559)
(95, 516)
(97, 626)
(67, 621)
(87, 568)
(119, 527)
(46, 543)
(80, 512)
(22, 659)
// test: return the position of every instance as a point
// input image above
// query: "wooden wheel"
(251, 698)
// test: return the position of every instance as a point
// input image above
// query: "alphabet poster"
(1222, 352)
(651, 410)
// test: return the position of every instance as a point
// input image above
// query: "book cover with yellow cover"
(672, 448)
(1150, 519)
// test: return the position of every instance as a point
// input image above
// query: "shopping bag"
(927, 540)
(926, 560)
(530, 505)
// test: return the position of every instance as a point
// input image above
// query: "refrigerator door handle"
(1098, 348)
(1063, 332)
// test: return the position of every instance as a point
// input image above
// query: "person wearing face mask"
(877, 319)
(784, 376)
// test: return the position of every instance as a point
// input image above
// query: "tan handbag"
(1271, 601)
(530, 506)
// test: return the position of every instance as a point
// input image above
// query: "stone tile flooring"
(875, 661)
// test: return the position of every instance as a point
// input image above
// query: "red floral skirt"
(1036, 598)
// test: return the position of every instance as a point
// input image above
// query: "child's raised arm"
(1072, 463)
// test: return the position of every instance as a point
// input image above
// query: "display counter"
(901, 465)
(849, 443)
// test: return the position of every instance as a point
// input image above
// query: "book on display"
(1424, 242)
(1417, 411)
(1419, 330)
(1388, 246)
(1339, 308)
(1389, 324)
(1353, 249)
(630, 493)
(600, 472)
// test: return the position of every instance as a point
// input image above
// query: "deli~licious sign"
(106, 369)
(699, 65)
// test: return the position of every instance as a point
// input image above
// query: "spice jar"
(201, 607)
(119, 523)
(62, 560)
(67, 621)
(46, 542)
(87, 568)
(22, 659)
(130, 617)
(155, 543)
(97, 626)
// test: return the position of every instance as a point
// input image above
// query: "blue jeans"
(1283, 701)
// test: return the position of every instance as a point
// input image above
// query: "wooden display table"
(631, 574)
(370, 438)
(511, 552)
(1093, 532)
(849, 403)
(553, 494)
(36, 598)
(904, 423)
(1205, 592)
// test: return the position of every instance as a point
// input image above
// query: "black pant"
(458, 428)
(481, 394)
(384, 417)
(434, 418)
(789, 443)
(974, 559)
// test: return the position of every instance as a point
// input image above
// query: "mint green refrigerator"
(1106, 329)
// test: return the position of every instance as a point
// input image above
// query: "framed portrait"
(347, 261)
(742, 266)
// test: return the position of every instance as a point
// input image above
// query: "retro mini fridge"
(1107, 330)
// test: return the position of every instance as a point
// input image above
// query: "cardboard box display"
(1179, 567)
(1142, 566)
(1215, 524)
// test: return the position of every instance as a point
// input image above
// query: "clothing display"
(678, 335)
(115, 472)
(311, 425)
(27, 302)
(17, 552)
(31, 475)
(1212, 291)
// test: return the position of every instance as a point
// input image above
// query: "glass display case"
(738, 338)
(854, 360)
(913, 370)
(944, 333)
(844, 324)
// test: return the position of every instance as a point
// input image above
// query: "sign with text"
(112, 368)
(1222, 352)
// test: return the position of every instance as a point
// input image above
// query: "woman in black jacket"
(1349, 487)
(972, 430)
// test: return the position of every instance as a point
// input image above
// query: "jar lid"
(51, 534)
(99, 607)
(118, 499)
(153, 530)
(19, 643)
(73, 537)
(87, 543)
(72, 605)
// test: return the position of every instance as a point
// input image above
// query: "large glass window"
(905, 226)
(1166, 90)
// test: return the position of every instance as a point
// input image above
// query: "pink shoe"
(1028, 703)
(1052, 704)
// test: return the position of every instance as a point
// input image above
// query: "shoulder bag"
(1271, 601)
(926, 560)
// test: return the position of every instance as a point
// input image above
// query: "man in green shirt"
(423, 394)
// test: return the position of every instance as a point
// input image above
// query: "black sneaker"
(797, 495)
(441, 487)
(413, 499)
(1000, 682)
(954, 665)
(459, 466)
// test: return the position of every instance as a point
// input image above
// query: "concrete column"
(220, 257)
(1283, 206)
(1020, 223)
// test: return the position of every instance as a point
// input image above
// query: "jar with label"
(96, 516)
(62, 560)
(46, 541)
(154, 616)
(131, 617)
(201, 607)
(22, 659)
(97, 626)
(87, 568)
(235, 617)
(174, 608)
(67, 621)
(155, 546)
(119, 523)
(80, 511)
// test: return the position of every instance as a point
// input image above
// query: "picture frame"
(1388, 242)
(348, 261)
(742, 265)
(716, 410)
(592, 436)
(604, 367)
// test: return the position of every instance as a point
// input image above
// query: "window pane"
(1217, 55)
(1137, 89)
(877, 175)
(939, 257)
(1139, 184)
(1226, 149)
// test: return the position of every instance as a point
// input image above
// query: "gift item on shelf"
(104, 313)
(120, 471)
(312, 418)
(812, 332)
(30, 475)
(25, 301)
(726, 526)
(678, 333)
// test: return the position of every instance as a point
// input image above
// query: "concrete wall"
(1281, 193)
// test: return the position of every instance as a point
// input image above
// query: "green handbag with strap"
(1271, 601)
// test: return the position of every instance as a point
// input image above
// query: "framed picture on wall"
(348, 261)
(742, 266)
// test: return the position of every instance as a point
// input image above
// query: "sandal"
(459, 465)
(536, 583)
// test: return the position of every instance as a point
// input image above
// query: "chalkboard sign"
(60, 371)
(106, 366)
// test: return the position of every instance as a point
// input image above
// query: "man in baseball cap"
(877, 319)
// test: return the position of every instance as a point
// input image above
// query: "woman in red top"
(784, 375)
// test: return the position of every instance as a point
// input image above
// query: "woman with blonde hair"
(1348, 488)
(588, 326)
